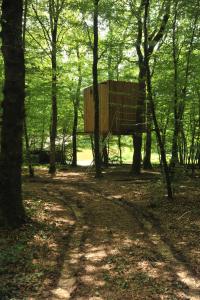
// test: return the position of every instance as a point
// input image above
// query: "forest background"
(174, 67)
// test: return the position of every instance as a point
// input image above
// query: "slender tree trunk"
(147, 156)
(74, 137)
(159, 138)
(92, 146)
(96, 93)
(179, 104)
(42, 137)
(152, 105)
(11, 204)
(55, 8)
(28, 154)
(120, 149)
(63, 149)
(53, 131)
(137, 136)
(76, 106)
(174, 158)
(105, 152)
(150, 42)
(137, 155)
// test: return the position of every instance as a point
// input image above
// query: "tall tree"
(153, 40)
(148, 49)
(11, 204)
(28, 154)
(76, 103)
(181, 88)
(53, 38)
(96, 91)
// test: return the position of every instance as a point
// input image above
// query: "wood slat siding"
(120, 104)
(103, 108)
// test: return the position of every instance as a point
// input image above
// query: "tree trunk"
(159, 138)
(96, 93)
(174, 157)
(76, 106)
(120, 149)
(152, 105)
(28, 155)
(147, 156)
(53, 131)
(137, 156)
(42, 137)
(105, 156)
(74, 137)
(12, 209)
(137, 136)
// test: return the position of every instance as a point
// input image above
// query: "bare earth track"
(117, 249)
(117, 238)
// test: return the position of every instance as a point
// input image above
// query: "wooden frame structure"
(121, 107)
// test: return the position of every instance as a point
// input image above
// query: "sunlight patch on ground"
(96, 255)
(87, 279)
(192, 283)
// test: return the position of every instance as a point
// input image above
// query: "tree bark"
(152, 41)
(76, 106)
(12, 209)
(147, 54)
(105, 157)
(137, 156)
(53, 131)
(120, 149)
(137, 136)
(28, 154)
(147, 156)
(174, 157)
(96, 93)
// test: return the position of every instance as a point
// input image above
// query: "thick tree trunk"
(11, 205)
(96, 93)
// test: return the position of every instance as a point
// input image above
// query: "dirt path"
(115, 250)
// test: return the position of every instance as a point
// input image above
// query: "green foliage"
(118, 61)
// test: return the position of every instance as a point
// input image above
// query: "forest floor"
(117, 238)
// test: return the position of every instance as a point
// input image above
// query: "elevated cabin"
(121, 108)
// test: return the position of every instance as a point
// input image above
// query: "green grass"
(127, 155)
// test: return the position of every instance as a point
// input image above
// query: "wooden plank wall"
(121, 108)
(124, 99)
(88, 111)
(103, 108)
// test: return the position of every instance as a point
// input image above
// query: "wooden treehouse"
(121, 106)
